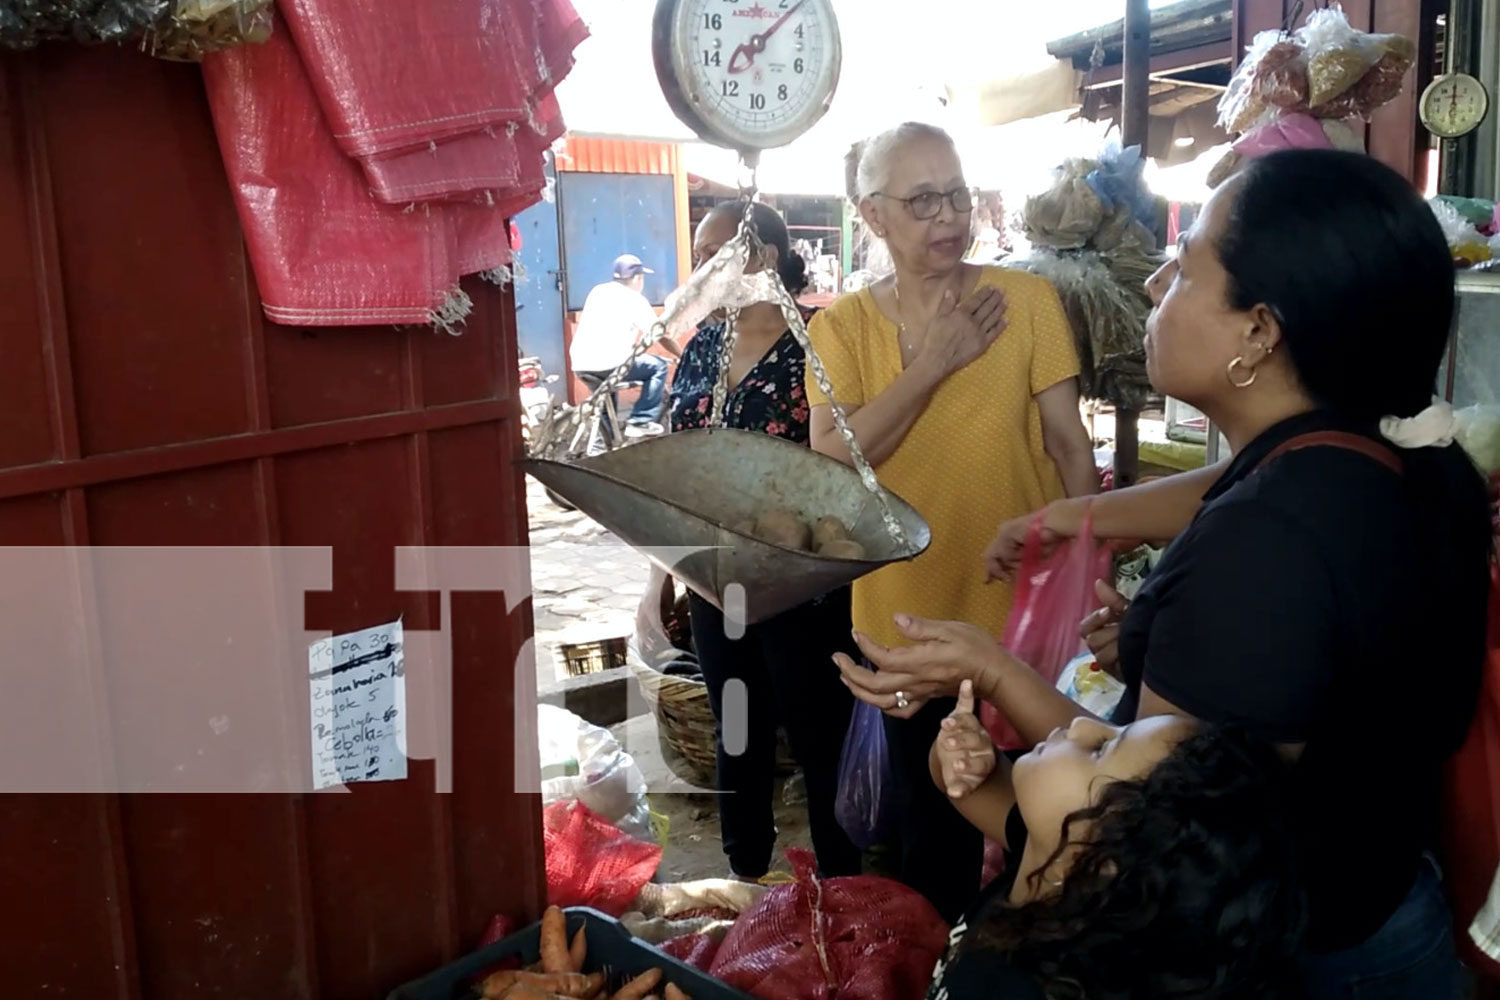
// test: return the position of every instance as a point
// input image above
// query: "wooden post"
(1135, 80)
(1135, 123)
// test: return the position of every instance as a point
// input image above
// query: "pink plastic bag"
(1054, 594)
(1290, 131)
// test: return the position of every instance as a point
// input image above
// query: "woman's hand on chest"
(962, 332)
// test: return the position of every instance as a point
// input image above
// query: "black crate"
(610, 947)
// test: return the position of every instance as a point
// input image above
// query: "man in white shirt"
(615, 317)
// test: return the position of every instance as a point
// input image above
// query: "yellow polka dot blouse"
(972, 460)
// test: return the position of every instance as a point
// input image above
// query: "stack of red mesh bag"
(376, 151)
(590, 862)
(859, 938)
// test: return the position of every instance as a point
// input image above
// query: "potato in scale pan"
(784, 527)
(842, 548)
(828, 529)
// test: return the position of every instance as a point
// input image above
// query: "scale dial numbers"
(1454, 105)
(748, 74)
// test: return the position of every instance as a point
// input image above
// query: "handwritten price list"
(357, 687)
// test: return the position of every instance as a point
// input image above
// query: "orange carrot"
(579, 950)
(525, 991)
(554, 942)
(640, 987)
(497, 984)
(566, 984)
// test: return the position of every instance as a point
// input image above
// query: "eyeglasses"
(928, 204)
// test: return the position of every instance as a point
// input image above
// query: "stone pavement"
(586, 584)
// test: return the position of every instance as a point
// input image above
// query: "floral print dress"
(771, 398)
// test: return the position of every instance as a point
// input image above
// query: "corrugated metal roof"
(585, 154)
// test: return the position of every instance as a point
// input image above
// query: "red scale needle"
(757, 43)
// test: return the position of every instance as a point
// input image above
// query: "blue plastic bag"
(863, 804)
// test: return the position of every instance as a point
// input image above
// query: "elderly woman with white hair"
(961, 386)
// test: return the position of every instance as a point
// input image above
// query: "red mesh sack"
(591, 863)
(697, 950)
(857, 938)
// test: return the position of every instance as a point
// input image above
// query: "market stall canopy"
(1191, 58)
(1052, 88)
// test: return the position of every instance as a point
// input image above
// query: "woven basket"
(685, 725)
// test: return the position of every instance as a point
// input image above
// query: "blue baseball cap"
(628, 265)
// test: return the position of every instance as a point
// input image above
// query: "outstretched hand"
(965, 752)
(942, 656)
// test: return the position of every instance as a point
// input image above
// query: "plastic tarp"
(376, 152)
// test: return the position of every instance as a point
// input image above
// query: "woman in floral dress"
(781, 665)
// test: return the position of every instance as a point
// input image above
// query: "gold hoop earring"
(1238, 363)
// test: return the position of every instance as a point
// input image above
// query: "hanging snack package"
(1241, 103)
(1382, 84)
(1337, 55)
(1342, 61)
(26, 23)
(1272, 78)
(1282, 75)
(1326, 69)
(195, 28)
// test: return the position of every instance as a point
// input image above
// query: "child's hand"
(964, 750)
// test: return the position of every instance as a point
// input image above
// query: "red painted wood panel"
(145, 401)
(24, 410)
(1397, 136)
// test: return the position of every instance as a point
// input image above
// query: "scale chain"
(751, 242)
(795, 323)
(793, 317)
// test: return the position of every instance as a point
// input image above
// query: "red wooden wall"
(145, 401)
(1395, 135)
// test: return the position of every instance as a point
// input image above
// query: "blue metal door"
(605, 215)
(539, 293)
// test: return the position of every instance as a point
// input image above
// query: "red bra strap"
(1339, 439)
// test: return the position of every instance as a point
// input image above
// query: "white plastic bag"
(593, 769)
(651, 643)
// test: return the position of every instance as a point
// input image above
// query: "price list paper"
(358, 697)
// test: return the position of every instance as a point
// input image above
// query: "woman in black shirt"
(1153, 860)
(781, 663)
(1327, 589)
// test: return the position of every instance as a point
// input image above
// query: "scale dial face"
(1454, 105)
(747, 74)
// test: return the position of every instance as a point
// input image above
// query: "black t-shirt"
(1312, 602)
(968, 971)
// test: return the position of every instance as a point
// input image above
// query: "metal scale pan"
(683, 490)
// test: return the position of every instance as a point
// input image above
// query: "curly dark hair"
(1186, 886)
